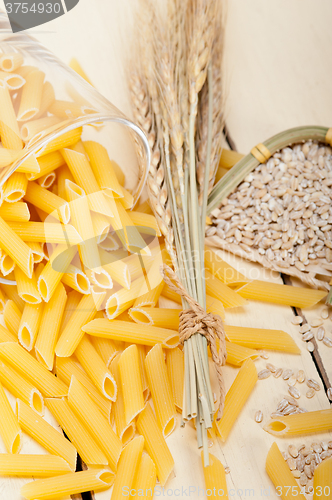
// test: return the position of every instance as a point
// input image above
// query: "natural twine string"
(196, 320)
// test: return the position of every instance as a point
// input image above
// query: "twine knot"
(197, 320)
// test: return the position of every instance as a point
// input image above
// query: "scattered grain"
(327, 341)
(291, 401)
(227, 470)
(291, 463)
(329, 393)
(264, 355)
(278, 372)
(311, 347)
(303, 479)
(320, 334)
(292, 380)
(325, 313)
(293, 451)
(316, 447)
(310, 393)
(263, 374)
(313, 384)
(296, 474)
(297, 320)
(316, 322)
(287, 374)
(301, 377)
(294, 392)
(259, 416)
(305, 328)
(307, 336)
(271, 367)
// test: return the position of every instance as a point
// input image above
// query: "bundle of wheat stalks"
(175, 83)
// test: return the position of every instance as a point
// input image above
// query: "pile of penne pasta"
(83, 334)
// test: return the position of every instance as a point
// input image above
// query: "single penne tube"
(32, 465)
(128, 465)
(141, 349)
(63, 174)
(131, 332)
(282, 294)
(96, 368)
(27, 287)
(77, 280)
(14, 81)
(156, 316)
(47, 98)
(215, 476)
(11, 62)
(110, 243)
(13, 354)
(19, 251)
(31, 96)
(116, 268)
(323, 480)
(21, 388)
(73, 299)
(160, 388)
(236, 397)
(103, 170)
(95, 422)
(146, 224)
(175, 372)
(131, 383)
(35, 129)
(84, 177)
(10, 430)
(65, 109)
(155, 444)
(237, 354)
(68, 484)
(7, 265)
(222, 292)
(118, 302)
(29, 165)
(67, 367)
(37, 251)
(125, 229)
(11, 293)
(2, 301)
(47, 164)
(55, 268)
(42, 232)
(85, 445)
(15, 212)
(8, 156)
(15, 188)
(127, 201)
(9, 131)
(301, 423)
(145, 478)
(50, 326)
(101, 226)
(125, 431)
(106, 348)
(260, 338)
(222, 270)
(75, 65)
(12, 316)
(29, 325)
(47, 181)
(154, 282)
(46, 435)
(280, 474)
(63, 141)
(47, 201)
(100, 279)
(72, 334)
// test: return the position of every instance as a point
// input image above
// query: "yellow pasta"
(31, 96)
(237, 354)
(144, 208)
(67, 367)
(88, 450)
(236, 397)
(110, 243)
(160, 389)
(122, 299)
(259, 338)
(106, 348)
(214, 477)
(12, 316)
(95, 422)
(11, 292)
(63, 141)
(19, 251)
(47, 201)
(50, 327)
(222, 270)
(47, 98)
(9, 427)
(155, 316)
(128, 465)
(145, 478)
(99, 278)
(141, 349)
(15, 188)
(125, 431)
(323, 480)
(29, 165)
(47, 164)
(41, 232)
(29, 325)
(282, 294)
(76, 279)
(155, 443)
(54, 270)
(280, 474)
(36, 129)
(96, 369)
(9, 131)
(2, 301)
(47, 181)
(222, 292)
(131, 383)
(73, 333)
(37, 251)
(146, 223)
(19, 387)
(153, 282)
(131, 332)
(41, 431)
(127, 201)
(63, 173)
(68, 484)
(116, 268)
(7, 265)
(10, 62)
(27, 287)
(302, 423)
(13, 81)
(8, 156)
(101, 226)
(24, 363)
(32, 465)
(175, 372)
(75, 65)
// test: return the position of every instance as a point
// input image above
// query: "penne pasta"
(68, 484)
(125, 229)
(13, 81)
(47, 181)
(175, 372)
(77, 280)
(8, 156)
(155, 316)
(7, 265)
(34, 372)
(145, 478)
(122, 299)
(146, 224)
(10, 62)
(54, 270)
(141, 349)
(131, 332)
(11, 292)
(20, 388)
(237, 354)
(302, 423)
(86, 447)
(106, 348)
(27, 287)
(73, 333)
(63, 141)
(214, 477)
(15, 212)
(2, 301)
(37, 252)
(222, 292)
(29, 165)
(12, 317)
(280, 475)
(160, 389)
(125, 431)
(36, 129)
(15, 188)
(155, 444)
(19, 251)
(63, 174)
(47, 436)
(128, 465)
(127, 201)
(47, 98)
(131, 383)
(100, 279)
(48, 202)
(9, 131)
(32, 465)
(144, 208)
(75, 65)
(29, 325)
(9, 427)
(31, 96)
(50, 326)
(96, 368)
(116, 268)
(236, 397)
(259, 338)
(110, 243)
(323, 480)
(101, 226)
(153, 282)
(282, 294)
(222, 270)
(96, 424)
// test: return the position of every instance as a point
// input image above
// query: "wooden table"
(277, 74)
